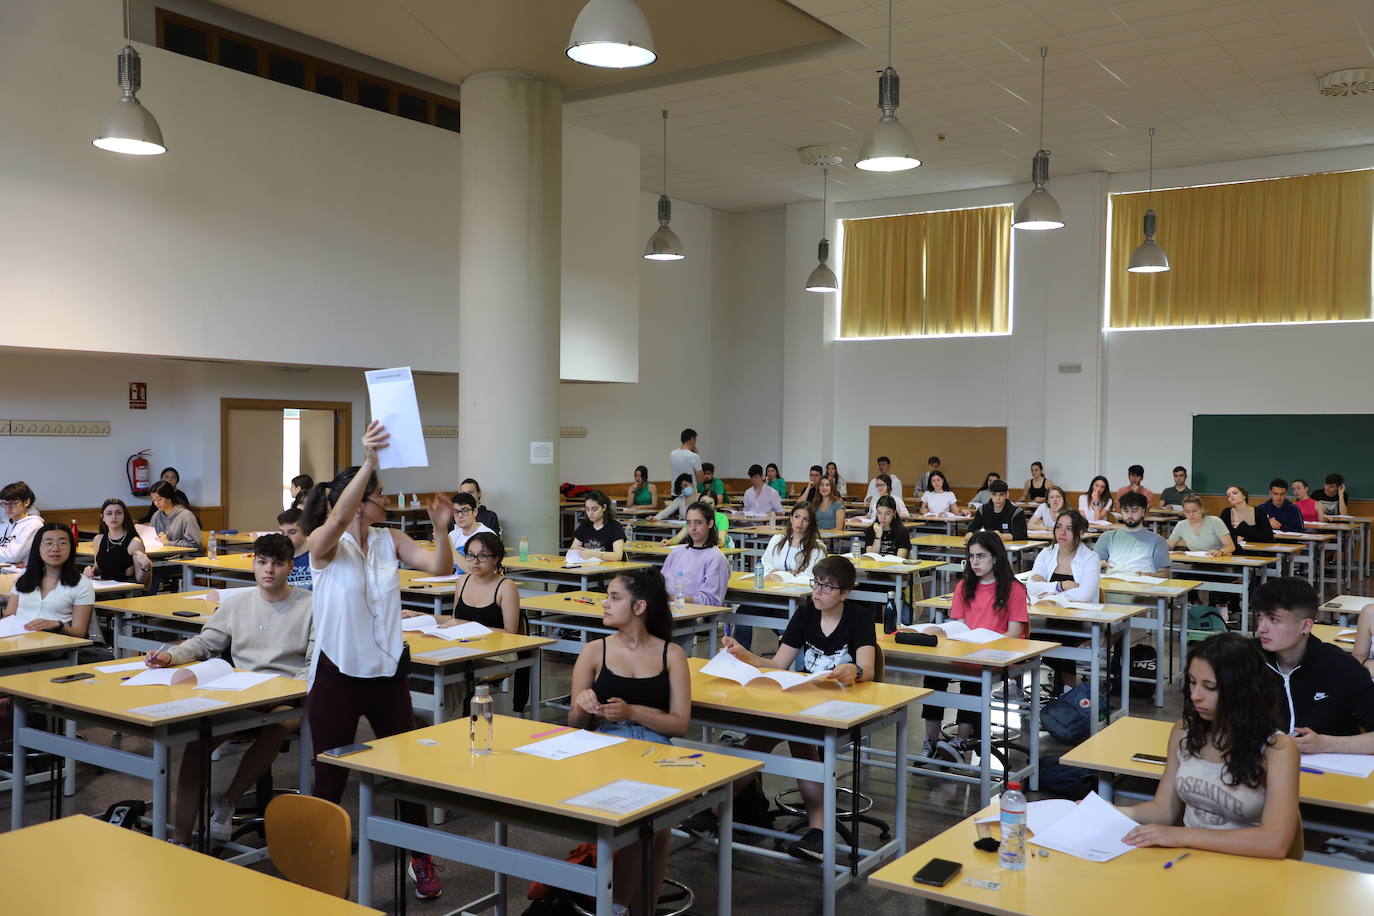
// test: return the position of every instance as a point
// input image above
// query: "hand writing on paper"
(374, 437)
(588, 702)
(1154, 835)
(615, 710)
(1308, 741)
(157, 659)
(845, 674)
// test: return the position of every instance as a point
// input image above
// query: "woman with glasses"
(599, 536)
(465, 525)
(360, 664)
(18, 527)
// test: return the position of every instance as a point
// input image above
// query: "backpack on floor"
(1069, 718)
(1144, 661)
(1205, 619)
(1060, 780)
(125, 813)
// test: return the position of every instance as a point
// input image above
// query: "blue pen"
(1170, 863)
(1312, 770)
(689, 757)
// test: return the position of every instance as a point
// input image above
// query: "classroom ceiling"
(1219, 79)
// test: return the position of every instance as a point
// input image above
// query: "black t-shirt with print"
(821, 652)
(604, 539)
(893, 540)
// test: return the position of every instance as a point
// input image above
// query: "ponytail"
(322, 497)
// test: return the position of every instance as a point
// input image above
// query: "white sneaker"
(619, 909)
(222, 820)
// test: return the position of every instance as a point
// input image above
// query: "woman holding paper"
(987, 596)
(636, 681)
(1231, 781)
(119, 553)
(360, 660)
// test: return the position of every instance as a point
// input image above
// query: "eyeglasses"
(824, 588)
(480, 557)
(462, 510)
(11, 503)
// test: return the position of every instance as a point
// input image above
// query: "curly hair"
(1247, 703)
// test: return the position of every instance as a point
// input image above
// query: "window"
(927, 274)
(1280, 250)
(203, 41)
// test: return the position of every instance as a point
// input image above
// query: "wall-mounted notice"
(541, 453)
(138, 395)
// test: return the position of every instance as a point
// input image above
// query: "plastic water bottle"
(1013, 852)
(758, 574)
(680, 591)
(524, 549)
(772, 518)
(401, 500)
(212, 545)
(480, 722)
(856, 548)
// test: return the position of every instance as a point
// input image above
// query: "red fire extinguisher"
(140, 473)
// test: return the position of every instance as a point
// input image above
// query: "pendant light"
(612, 34)
(128, 127)
(1040, 210)
(664, 245)
(1149, 258)
(822, 279)
(889, 146)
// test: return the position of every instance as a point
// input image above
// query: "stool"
(675, 900)
(789, 802)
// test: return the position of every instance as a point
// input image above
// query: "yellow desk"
(581, 612)
(105, 701)
(1314, 549)
(774, 596)
(442, 662)
(553, 570)
(1168, 596)
(657, 551)
(1346, 534)
(104, 588)
(1234, 575)
(161, 558)
(951, 548)
(1134, 884)
(39, 651)
(509, 788)
(167, 616)
(1108, 753)
(1328, 632)
(793, 715)
(1347, 606)
(125, 871)
(236, 569)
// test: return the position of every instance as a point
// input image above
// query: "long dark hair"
(1106, 489)
(128, 519)
(32, 577)
(305, 483)
(604, 501)
(1001, 570)
(1247, 703)
(1076, 521)
(677, 484)
(323, 496)
(647, 585)
(944, 481)
(987, 481)
(642, 472)
(811, 539)
(887, 502)
(167, 491)
(708, 511)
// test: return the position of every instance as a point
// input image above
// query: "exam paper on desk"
(1092, 831)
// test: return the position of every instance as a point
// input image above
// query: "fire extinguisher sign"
(138, 395)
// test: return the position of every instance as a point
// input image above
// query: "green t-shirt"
(642, 496)
(717, 486)
(781, 486)
(1173, 496)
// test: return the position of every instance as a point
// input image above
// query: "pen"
(647, 752)
(1170, 863)
(154, 652)
(1312, 770)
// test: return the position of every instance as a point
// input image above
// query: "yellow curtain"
(927, 273)
(1287, 249)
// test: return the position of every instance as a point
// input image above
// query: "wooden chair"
(309, 840)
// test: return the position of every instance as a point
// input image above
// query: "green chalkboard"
(1253, 449)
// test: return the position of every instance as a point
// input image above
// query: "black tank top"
(488, 615)
(1034, 492)
(637, 691)
(112, 560)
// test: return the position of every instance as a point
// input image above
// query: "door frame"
(343, 431)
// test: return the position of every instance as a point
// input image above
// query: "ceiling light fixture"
(1040, 210)
(613, 34)
(664, 245)
(128, 127)
(889, 146)
(1149, 258)
(822, 279)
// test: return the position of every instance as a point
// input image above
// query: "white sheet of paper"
(1346, 635)
(449, 654)
(12, 626)
(149, 536)
(1136, 577)
(839, 709)
(1197, 553)
(725, 665)
(206, 672)
(622, 796)
(996, 656)
(430, 580)
(391, 395)
(1024, 577)
(238, 680)
(469, 630)
(541, 453)
(885, 557)
(177, 707)
(122, 666)
(1084, 605)
(570, 744)
(106, 585)
(1357, 765)
(1092, 831)
(423, 624)
(1040, 815)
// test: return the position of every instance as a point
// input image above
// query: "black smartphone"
(68, 678)
(346, 750)
(937, 872)
(1150, 758)
(185, 613)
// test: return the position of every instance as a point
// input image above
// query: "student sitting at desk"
(698, 564)
(1056, 501)
(1134, 548)
(119, 553)
(829, 506)
(722, 522)
(301, 485)
(1096, 504)
(937, 498)
(1328, 698)
(1135, 474)
(773, 477)
(828, 635)
(1201, 532)
(987, 596)
(760, 499)
(812, 489)
(923, 484)
(887, 535)
(599, 535)
(684, 494)
(883, 485)
(642, 492)
(1278, 511)
(793, 553)
(1173, 496)
(636, 681)
(465, 525)
(174, 521)
(894, 483)
(1243, 522)
(1311, 510)
(19, 527)
(173, 477)
(484, 515)
(289, 524)
(1000, 515)
(984, 493)
(1332, 496)
(51, 594)
(1070, 568)
(712, 484)
(832, 470)
(269, 629)
(1038, 487)
(1231, 778)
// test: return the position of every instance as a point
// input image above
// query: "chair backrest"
(310, 842)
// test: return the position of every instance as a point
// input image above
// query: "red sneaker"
(421, 870)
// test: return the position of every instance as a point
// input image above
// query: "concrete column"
(510, 179)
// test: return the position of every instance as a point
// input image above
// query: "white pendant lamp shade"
(128, 127)
(613, 34)
(822, 279)
(664, 245)
(1149, 258)
(889, 146)
(1039, 210)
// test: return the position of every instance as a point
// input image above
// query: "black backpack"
(1144, 661)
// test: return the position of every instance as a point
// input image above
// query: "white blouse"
(1087, 571)
(1045, 514)
(781, 557)
(357, 603)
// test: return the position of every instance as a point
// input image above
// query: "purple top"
(705, 574)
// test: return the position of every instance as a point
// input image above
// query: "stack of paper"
(1135, 577)
(576, 558)
(1357, 765)
(726, 666)
(1197, 553)
(956, 630)
(1092, 831)
(429, 626)
(213, 674)
(431, 580)
(885, 557)
(12, 626)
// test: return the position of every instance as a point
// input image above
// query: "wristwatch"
(858, 672)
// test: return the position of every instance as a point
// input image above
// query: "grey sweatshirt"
(266, 636)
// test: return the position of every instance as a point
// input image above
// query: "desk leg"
(985, 741)
(604, 859)
(1126, 669)
(1245, 573)
(1035, 724)
(19, 768)
(1160, 641)
(304, 759)
(536, 691)
(830, 763)
(498, 836)
(899, 773)
(724, 849)
(160, 787)
(69, 765)
(188, 579)
(364, 844)
(1095, 676)
(1106, 786)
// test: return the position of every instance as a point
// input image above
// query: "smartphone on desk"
(1150, 758)
(68, 678)
(937, 872)
(346, 750)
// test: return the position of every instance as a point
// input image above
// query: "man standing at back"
(685, 460)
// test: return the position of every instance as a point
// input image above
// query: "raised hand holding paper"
(391, 394)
